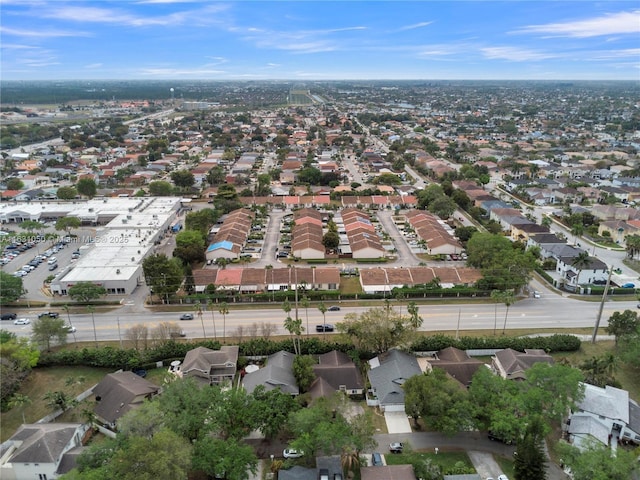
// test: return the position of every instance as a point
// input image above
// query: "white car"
(502, 477)
(21, 321)
(70, 328)
(291, 453)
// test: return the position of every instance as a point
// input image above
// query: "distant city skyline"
(323, 40)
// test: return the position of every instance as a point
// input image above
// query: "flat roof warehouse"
(126, 231)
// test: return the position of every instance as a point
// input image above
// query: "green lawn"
(446, 460)
(43, 380)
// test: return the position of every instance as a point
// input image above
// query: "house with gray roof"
(41, 450)
(277, 373)
(607, 415)
(120, 392)
(387, 374)
(336, 372)
(212, 367)
(594, 272)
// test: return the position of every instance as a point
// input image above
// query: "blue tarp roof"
(226, 244)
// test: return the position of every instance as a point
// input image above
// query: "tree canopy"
(85, 292)
(10, 288)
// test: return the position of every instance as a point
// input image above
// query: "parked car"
(53, 267)
(502, 477)
(324, 327)
(628, 285)
(376, 459)
(49, 314)
(8, 316)
(323, 474)
(495, 437)
(21, 321)
(292, 453)
(186, 316)
(396, 447)
(333, 308)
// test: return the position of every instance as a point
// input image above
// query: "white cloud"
(414, 26)
(515, 54)
(609, 24)
(180, 72)
(42, 33)
(93, 65)
(623, 53)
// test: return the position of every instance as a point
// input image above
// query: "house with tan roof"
(211, 367)
(513, 365)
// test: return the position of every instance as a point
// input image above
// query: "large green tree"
(46, 330)
(166, 456)
(87, 187)
(163, 275)
(189, 246)
(19, 356)
(11, 288)
(504, 266)
(160, 188)
(67, 193)
(185, 405)
(231, 459)
(377, 329)
(67, 223)
(273, 409)
(183, 178)
(86, 292)
(530, 457)
(201, 220)
(441, 401)
(599, 462)
(622, 323)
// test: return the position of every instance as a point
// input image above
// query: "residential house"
(118, 393)
(607, 415)
(387, 374)
(336, 372)
(595, 272)
(457, 363)
(211, 367)
(513, 365)
(41, 451)
(276, 373)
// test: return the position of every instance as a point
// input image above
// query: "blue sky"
(306, 40)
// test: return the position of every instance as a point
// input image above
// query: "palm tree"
(350, 461)
(198, 309)
(20, 401)
(546, 221)
(580, 262)
(224, 309)
(323, 310)
(632, 243)
(414, 318)
(91, 309)
(577, 229)
(213, 318)
(270, 268)
(502, 296)
(304, 303)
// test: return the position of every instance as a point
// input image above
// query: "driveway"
(485, 464)
(397, 422)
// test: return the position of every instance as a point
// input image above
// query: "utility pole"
(604, 298)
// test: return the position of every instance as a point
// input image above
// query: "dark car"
(498, 438)
(8, 316)
(186, 316)
(333, 308)
(376, 459)
(49, 314)
(324, 327)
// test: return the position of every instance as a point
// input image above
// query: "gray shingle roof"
(277, 373)
(387, 379)
(43, 442)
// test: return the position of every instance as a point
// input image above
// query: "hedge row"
(553, 343)
(110, 357)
